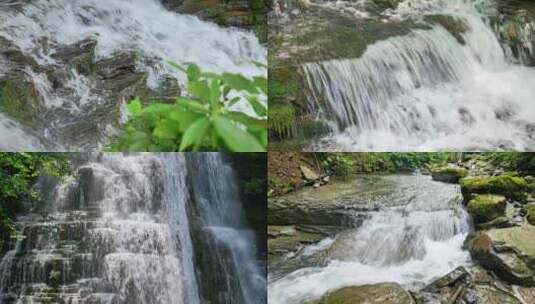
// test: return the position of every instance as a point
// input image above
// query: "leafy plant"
(203, 121)
(338, 164)
(18, 173)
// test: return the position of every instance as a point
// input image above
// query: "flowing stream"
(415, 236)
(123, 233)
(41, 29)
(454, 87)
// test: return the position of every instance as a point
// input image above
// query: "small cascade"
(82, 60)
(224, 229)
(416, 239)
(445, 87)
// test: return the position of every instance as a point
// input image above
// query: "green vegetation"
(353, 163)
(522, 162)
(531, 214)
(18, 173)
(484, 208)
(204, 121)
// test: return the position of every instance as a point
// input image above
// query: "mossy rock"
(448, 174)
(20, 99)
(531, 214)
(485, 208)
(512, 187)
(384, 293)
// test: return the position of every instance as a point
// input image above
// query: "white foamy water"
(42, 27)
(13, 137)
(427, 90)
(411, 245)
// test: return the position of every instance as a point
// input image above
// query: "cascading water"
(41, 30)
(416, 238)
(433, 89)
(225, 230)
(119, 233)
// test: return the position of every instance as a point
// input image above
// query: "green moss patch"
(484, 208)
(512, 187)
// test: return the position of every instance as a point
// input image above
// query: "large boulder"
(509, 253)
(284, 211)
(512, 187)
(383, 293)
(487, 207)
(448, 174)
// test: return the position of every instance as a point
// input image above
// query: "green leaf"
(246, 120)
(258, 107)
(239, 83)
(215, 94)
(233, 101)
(176, 65)
(135, 107)
(184, 118)
(235, 138)
(200, 90)
(262, 83)
(191, 105)
(193, 72)
(167, 129)
(195, 134)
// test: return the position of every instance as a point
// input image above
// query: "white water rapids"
(427, 90)
(39, 27)
(414, 238)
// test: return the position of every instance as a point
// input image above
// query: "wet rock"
(308, 174)
(282, 211)
(459, 274)
(383, 293)
(485, 208)
(448, 174)
(227, 13)
(509, 253)
(512, 187)
(285, 239)
(80, 55)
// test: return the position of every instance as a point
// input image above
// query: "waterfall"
(433, 89)
(223, 223)
(415, 238)
(120, 231)
(88, 32)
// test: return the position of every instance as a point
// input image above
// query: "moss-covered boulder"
(512, 187)
(531, 214)
(448, 174)
(487, 207)
(384, 293)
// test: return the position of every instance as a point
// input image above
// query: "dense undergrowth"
(18, 174)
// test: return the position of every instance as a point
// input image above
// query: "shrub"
(204, 121)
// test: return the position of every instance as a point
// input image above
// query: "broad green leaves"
(202, 121)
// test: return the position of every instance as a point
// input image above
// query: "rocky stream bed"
(460, 234)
